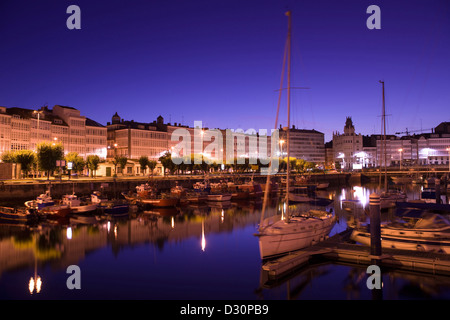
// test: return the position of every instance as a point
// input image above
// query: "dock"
(338, 249)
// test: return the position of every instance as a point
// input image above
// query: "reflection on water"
(193, 252)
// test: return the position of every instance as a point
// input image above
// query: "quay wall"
(11, 191)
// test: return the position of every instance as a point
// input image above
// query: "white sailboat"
(278, 236)
(388, 198)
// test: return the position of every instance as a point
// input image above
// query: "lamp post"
(401, 157)
(38, 112)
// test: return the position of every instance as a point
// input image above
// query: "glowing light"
(35, 284)
(173, 222)
(203, 236)
(69, 233)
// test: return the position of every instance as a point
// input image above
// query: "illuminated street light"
(401, 157)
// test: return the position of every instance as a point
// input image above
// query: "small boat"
(300, 231)
(219, 197)
(56, 211)
(115, 209)
(196, 197)
(18, 215)
(42, 201)
(97, 197)
(76, 206)
(417, 230)
(253, 188)
(159, 202)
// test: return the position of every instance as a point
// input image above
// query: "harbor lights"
(203, 241)
(35, 283)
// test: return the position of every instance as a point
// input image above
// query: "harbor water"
(197, 252)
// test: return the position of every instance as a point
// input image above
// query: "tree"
(152, 165)
(120, 161)
(9, 157)
(92, 162)
(78, 162)
(26, 159)
(143, 162)
(166, 161)
(47, 155)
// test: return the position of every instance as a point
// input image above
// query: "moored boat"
(159, 202)
(77, 206)
(297, 232)
(18, 215)
(418, 230)
(42, 201)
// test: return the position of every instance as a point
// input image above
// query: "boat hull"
(404, 243)
(219, 197)
(159, 203)
(283, 238)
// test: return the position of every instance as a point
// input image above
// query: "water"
(195, 253)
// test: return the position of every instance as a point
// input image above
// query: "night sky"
(220, 61)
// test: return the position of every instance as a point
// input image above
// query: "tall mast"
(384, 139)
(288, 14)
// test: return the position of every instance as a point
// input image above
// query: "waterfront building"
(418, 149)
(135, 139)
(348, 147)
(23, 129)
(305, 144)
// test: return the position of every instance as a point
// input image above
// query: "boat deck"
(338, 249)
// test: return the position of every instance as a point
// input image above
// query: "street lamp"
(38, 112)
(401, 157)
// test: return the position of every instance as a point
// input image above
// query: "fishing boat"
(56, 211)
(77, 206)
(42, 201)
(416, 230)
(18, 215)
(295, 231)
(97, 197)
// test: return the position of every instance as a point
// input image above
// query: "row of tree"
(47, 154)
(45, 159)
(198, 162)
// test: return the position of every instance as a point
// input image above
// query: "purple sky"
(219, 61)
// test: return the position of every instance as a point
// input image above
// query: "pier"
(338, 249)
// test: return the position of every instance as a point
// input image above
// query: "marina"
(191, 252)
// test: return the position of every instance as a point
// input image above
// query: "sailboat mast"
(288, 14)
(384, 139)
